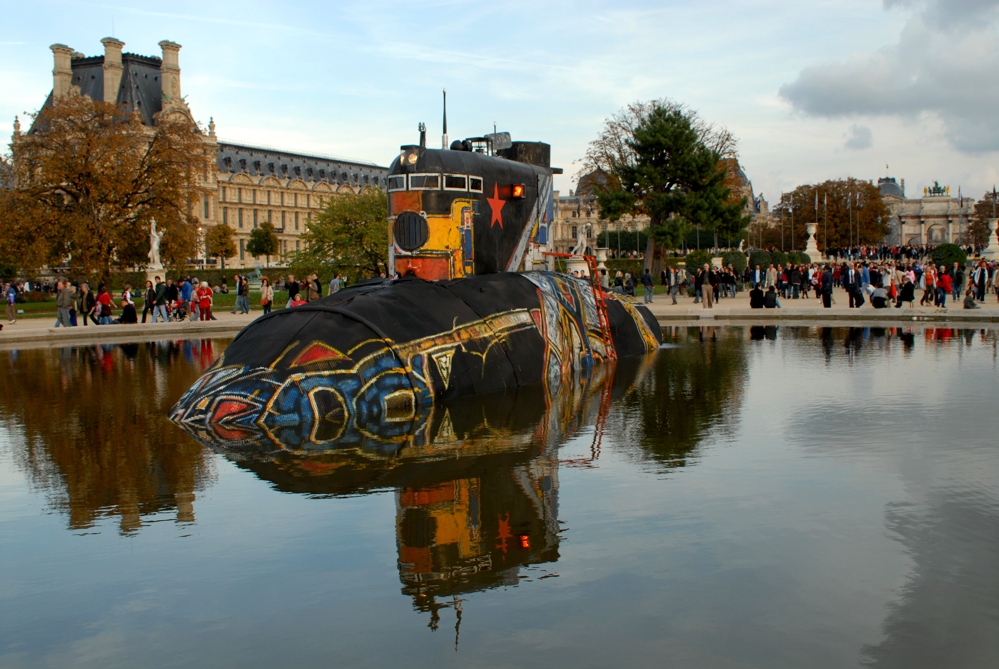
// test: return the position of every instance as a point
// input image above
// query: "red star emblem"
(496, 204)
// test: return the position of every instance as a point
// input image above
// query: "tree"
(89, 180)
(220, 243)
(985, 210)
(349, 236)
(660, 160)
(263, 241)
(850, 213)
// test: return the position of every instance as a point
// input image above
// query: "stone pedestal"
(991, 252)
(577, 264)
(811, 247)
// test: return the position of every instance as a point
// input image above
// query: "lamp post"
(792, 221)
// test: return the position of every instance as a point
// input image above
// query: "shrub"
(948, 254)
(761, 258)
(804, 259)
(697, 259)
(737, 259)
(779, 258)
(633, 266)
(35, 296)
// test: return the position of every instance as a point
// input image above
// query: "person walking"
(929, 286)
(674, 283)
(266, 295)
(827, 288)
(238, 304)
(205, 301)
(105, 306)
(244, 286)
(335, 284)
(86, 303)
(853, 287)
(945, 286)
(10, 295)
(980, 278)
(707, 288)
(65, 300)
(148, 302)
(315, 288)
(292, 287)
(159, 300)
(771, 276)
(128, 316)
(648, 284)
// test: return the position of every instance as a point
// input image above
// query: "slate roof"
(262, 161)
(140, 86)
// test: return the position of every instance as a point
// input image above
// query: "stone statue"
(742, 244)
(580, 247)
(154, 247)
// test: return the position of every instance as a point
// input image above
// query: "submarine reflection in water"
(476, 483)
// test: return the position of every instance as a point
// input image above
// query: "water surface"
(750, 497)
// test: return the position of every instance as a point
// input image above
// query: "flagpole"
(825, 206)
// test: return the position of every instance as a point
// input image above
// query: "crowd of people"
(881, 282)
(187, 298)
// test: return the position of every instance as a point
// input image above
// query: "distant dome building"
(890, 189)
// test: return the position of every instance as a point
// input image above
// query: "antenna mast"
(444, 137)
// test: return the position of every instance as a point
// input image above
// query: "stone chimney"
(62, 73)
(112, 68)
(171, 71)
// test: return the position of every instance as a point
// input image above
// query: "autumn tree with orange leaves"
(88, 181)
(849, 212)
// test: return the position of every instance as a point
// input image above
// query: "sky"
(812, 90)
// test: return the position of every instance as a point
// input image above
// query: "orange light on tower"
(518, 191)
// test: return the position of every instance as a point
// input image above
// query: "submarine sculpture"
(467, 317)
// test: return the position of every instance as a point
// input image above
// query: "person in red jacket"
(205, 301)
(944, 287)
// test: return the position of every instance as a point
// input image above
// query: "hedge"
(633, 266)
(761, 258)
(697, 259)
(737, 259)
(948, 254)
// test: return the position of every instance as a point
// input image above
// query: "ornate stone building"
(935, 218)
(249, 184)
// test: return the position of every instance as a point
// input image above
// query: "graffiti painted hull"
(375, 358)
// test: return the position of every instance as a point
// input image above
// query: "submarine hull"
(373, 358)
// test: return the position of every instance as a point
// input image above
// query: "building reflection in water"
(87, 425)
(475, 481)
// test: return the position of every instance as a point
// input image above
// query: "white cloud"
(859, 138)
(932, 69)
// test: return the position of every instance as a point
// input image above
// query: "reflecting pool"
(747, 497)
